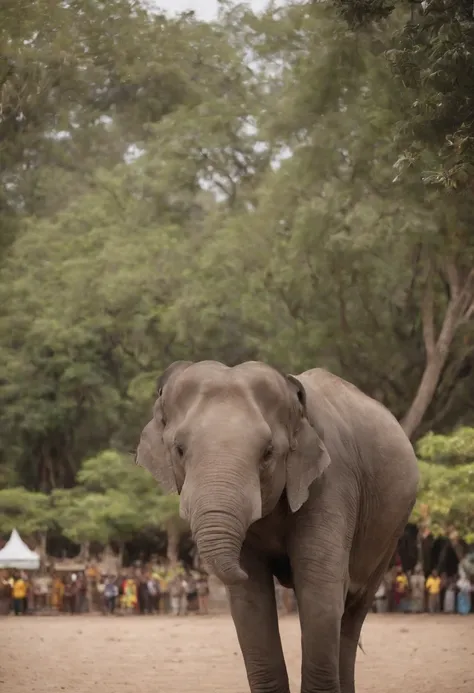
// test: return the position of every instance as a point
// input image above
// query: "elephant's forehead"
(263, 379)
(209, 378)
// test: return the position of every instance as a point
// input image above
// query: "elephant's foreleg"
(351, 626)
(254, 612)
(320, 618)
(319, 565)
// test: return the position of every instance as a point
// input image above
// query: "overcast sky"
(205, 9)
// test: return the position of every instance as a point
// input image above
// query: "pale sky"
(205, 9)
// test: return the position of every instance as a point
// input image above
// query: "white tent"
(16, 554)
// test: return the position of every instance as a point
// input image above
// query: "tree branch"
(437, 350)
(427, 315)
(469, 313)
(452, 276)
(466, 299)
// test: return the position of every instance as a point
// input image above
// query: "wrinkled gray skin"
(303, 478)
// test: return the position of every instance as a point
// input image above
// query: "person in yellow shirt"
(164, 582)
(433, 587)
(18, 595)
(400, 590)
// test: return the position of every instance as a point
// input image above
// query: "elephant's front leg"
(319, 564)
(254, 611)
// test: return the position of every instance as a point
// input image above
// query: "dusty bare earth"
(157, 654)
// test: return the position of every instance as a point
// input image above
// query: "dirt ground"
(200, 654)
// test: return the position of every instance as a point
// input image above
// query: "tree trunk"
(41, 547)
(120, 553)
(424, 396)
(173, 543)
(84, 553)
(460, 309)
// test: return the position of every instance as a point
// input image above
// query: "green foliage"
(359, 12)
(84, 517)
(431, 52)
(113, 500)
(111, 471)
(28, 512)
(449, 494)
(447, 481)
(455, 449)
(223, 191)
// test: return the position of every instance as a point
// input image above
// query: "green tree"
(334, 262)
(448, 493)
(86, 328)
(82, 517)
(260, 217)
(31, 514)
(431, 52)
(454, 449)
(447, 481)
(81, 85)
(132, 499)
(113, 501)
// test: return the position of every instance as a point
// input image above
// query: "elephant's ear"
(151, 453)
(173, 369)
(308, 457)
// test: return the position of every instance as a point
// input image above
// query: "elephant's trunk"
(220, 517)
(219, 544)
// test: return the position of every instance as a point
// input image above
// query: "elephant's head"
(230, 441)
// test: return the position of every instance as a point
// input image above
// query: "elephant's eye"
(179, 449)
(162, 416)
(267, 455)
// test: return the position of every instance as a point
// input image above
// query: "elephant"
(303, 478)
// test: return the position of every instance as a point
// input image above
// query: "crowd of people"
(413, 592)
(162, 589)
(144, 590)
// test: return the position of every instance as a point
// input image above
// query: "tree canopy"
(293, 186)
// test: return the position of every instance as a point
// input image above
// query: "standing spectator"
(442, 590)
(99, 593)
(176, 594)
(164, 579)
(153, 594)
(203, 594)
(110, 594)
(37, 598)
(41, 589)
(389, 591)
(70, 596)
(449, 602)
(129, 598)
(121, 587)
(57, 595)
(143, 594)
(433, 587)
(5, 595)
(191, 593)
(81, 595)
(28, 594)
(19, 595)
(381, 598)
(464, 595)
(400, 590)
(417, 587)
